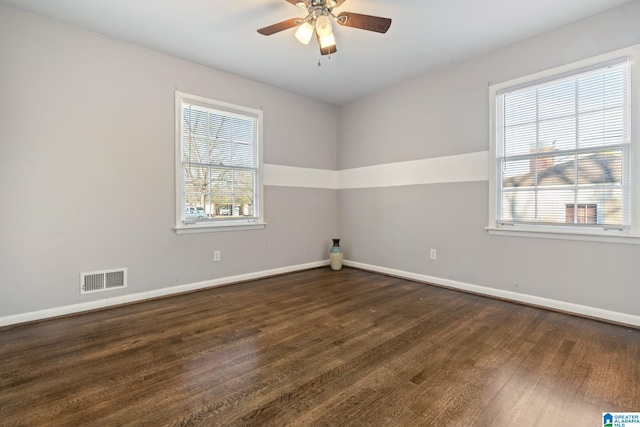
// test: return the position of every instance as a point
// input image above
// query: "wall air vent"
(99, 281)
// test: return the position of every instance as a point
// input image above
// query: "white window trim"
(630, 236)
(231, 225)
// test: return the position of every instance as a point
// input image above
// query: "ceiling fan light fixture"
(304, 33)
(323, 26)
(301, 5)
(327, 41)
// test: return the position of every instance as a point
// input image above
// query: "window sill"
(582, 236)
(208, 228)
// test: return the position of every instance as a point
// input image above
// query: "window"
(582, 214)
(562, 150)
(218, 165)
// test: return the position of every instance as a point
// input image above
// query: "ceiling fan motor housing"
(322, 3)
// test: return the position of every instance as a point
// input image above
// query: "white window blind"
(219, 162)
(562, 150)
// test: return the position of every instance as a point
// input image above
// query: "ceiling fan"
(319, 17)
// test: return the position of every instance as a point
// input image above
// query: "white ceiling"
(425, 35)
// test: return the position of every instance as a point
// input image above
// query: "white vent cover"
(106, 280)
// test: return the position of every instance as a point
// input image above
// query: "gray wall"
(446, 113)
(87, 169)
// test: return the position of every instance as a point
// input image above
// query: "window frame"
(255, 222)
(630, 235)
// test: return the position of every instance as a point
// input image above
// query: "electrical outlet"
(433, 254)
(216, 256)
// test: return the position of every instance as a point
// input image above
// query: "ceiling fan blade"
(280, 26)
(338, 3)
(364, 22)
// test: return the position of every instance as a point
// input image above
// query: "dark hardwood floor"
(318, 348)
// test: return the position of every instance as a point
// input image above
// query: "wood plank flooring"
(318, 348)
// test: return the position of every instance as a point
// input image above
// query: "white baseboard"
(127, 299)
(567, 307)
(593, 312)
